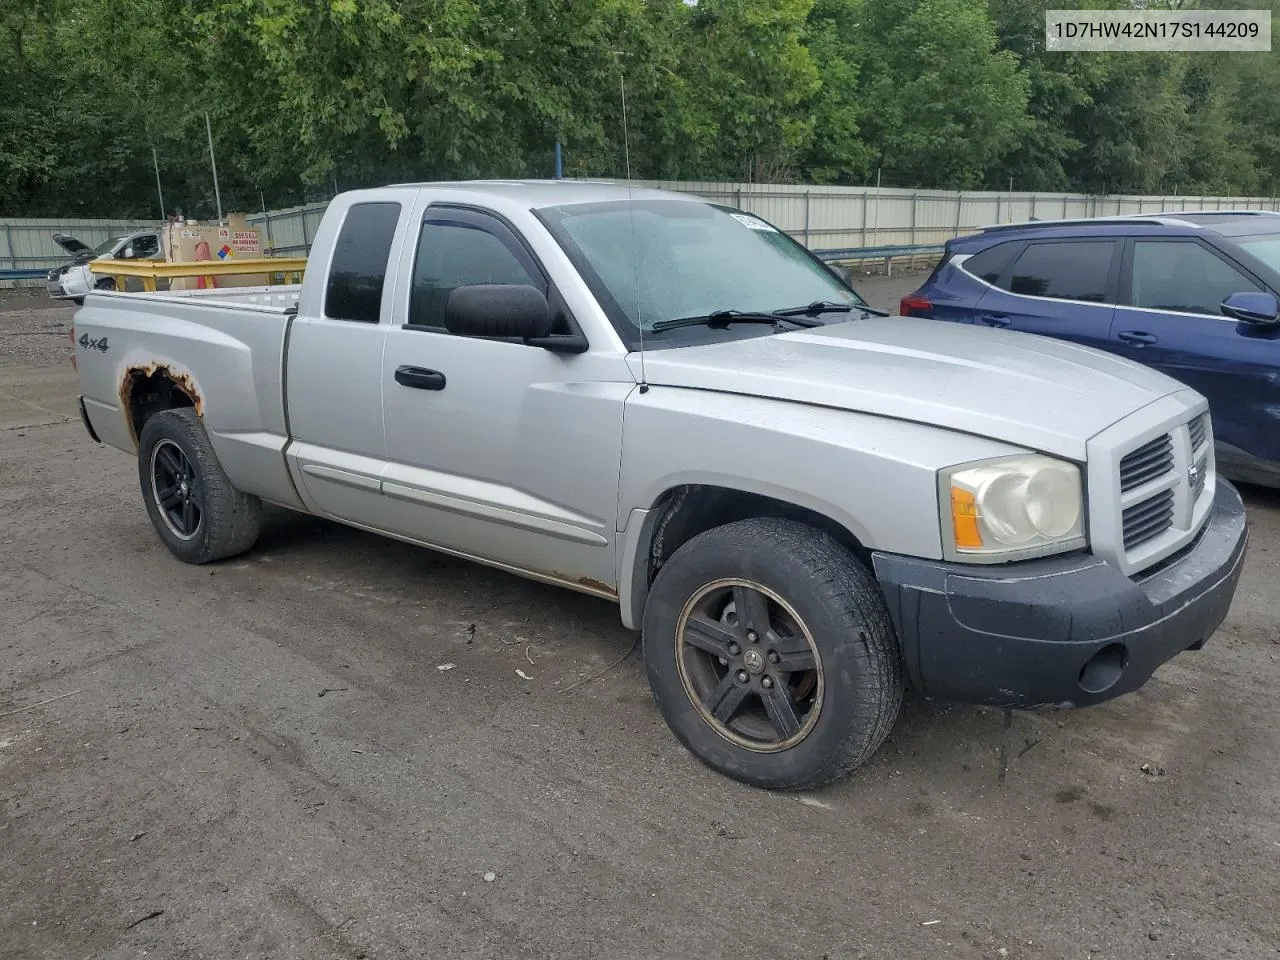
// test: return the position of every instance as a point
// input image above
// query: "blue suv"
(1195, 295)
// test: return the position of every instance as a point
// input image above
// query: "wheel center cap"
(184, 486)
(753, 660)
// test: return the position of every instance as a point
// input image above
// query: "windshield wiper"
(830, 306)
(815, 308)
(722, 318)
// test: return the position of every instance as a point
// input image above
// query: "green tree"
(838, 152)
(745, 83)
(941, 104)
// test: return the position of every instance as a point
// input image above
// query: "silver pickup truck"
(803, 504)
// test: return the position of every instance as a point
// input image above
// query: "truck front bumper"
(1062, 631)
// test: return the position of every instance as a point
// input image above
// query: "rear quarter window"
(358, 269)
(991, 262)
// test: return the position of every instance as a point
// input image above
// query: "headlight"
(1011, 509)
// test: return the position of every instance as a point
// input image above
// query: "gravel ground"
(266, 759)
(33, 330)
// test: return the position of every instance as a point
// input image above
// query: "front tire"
(199, 515)
(800, 690)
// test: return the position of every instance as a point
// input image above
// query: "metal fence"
(29, 245)
(289, 232)
(824, 218)
(844, 218)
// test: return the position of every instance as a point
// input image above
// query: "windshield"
(649, 261)
(1265, 248)
(102, 249)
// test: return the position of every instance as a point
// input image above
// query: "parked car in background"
(1195, 295)
(72, 281)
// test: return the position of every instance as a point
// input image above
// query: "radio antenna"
(626, 139)
(635, 253)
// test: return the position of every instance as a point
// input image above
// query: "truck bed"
(220, 351)
(279, 295)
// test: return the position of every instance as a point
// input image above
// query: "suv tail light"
(914, 305)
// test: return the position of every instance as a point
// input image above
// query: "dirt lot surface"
(269, 758)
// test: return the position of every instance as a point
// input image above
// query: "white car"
(72, 281)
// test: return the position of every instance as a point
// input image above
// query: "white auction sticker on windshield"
(752, 223)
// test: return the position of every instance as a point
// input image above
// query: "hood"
(1019, 388)
(71, 244)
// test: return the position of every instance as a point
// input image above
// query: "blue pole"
(559, 163)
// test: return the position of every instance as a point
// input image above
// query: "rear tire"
(802, 690)
(197, 512)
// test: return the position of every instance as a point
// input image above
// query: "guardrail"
(290, 268)
(885, 253)
(24, 273)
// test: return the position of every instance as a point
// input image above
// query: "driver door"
(498, 450)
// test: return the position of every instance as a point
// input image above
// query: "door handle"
(994, 320)
(420, 378)
(1137, 337)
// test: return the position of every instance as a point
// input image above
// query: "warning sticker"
(224, 233)
(246, 241)
(752, 223)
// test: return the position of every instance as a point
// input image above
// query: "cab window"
(458, 248)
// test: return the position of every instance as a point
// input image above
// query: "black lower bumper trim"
(84, 418)
(1064, 631)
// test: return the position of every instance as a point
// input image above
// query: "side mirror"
(1252, 307)
(498, 310)
(842, 273)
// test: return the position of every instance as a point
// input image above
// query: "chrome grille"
(1202, 477)
(1147, 520)
(1197, 429)
(1154, 487)
(1149, 461)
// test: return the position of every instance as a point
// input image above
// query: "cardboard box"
(192, 242)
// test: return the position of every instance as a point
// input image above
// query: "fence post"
(8, 242)
(806, 219)
(998, 220)
(915, 199)
(306, 241)
(959, 204)
(864, 218)
(1033, 206)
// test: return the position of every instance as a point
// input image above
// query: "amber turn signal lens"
(964, 519)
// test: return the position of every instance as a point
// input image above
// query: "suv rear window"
(1063, 270)
(990, 263)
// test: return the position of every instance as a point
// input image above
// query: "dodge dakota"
(801, 504)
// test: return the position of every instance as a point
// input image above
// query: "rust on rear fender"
(180, 380)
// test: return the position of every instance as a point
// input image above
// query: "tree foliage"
(306, 95)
